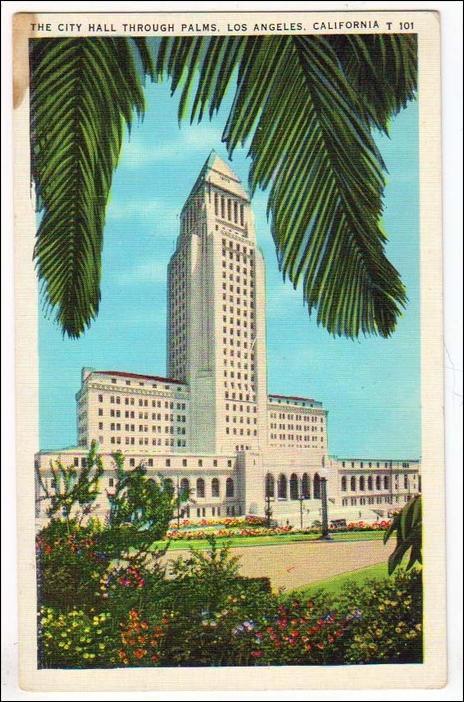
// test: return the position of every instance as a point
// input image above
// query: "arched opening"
(385, 482)
(317, 487)
(270, 485)
(169, 486)
(378, 483)
(353, 484)
(293, 486)
(229, 487)
(215, 487)
(185, 487)
(305, 486)
(282, 487)
(200, 487)
(362, 483)
(344, 483)
(370, 483)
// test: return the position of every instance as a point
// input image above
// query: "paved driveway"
(293, 565)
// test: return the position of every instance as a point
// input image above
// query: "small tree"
(73, 487)
(140, 511)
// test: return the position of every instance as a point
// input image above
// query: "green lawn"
(334, 585)
(247, 541)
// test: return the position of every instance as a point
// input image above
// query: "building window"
(200, 487)
(385, 482)
(344, 483)
(362, 485)
(317, 487)
(305, 486)
(293, 486)
(353, 484)
(370, 483)
(215, 487)
(185, 486)
(282, 487)
(270, 486)
(229, 487)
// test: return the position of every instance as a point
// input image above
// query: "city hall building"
(211, 426)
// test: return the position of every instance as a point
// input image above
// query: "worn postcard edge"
(432, 673)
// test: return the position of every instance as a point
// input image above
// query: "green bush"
(387, 619)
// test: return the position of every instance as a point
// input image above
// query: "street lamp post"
(268, 498)
(325, 535)
(301, 498)
(268, 511)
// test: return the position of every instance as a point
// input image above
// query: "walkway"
(293, 565)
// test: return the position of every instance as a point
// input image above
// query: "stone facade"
(212, 423)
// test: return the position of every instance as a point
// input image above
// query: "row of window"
(379, 500)
(370, 464)
(294, 437)
(130, 441)
(156, 429)
(300, 416)
(295, 487)
(228, 208)
(368, 483)
(144, 415)
(294, 427)
(198, 488)
(116, 400)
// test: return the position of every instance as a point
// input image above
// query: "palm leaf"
(82, 91)
(382, 69)
(408, 527)
(306, 107)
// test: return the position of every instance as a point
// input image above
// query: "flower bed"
(227, 522)
(231, 532)
(198, 534)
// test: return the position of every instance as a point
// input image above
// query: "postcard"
(229, 350)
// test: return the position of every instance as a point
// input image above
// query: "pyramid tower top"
(219, 173)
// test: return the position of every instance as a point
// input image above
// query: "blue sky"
(371, 386)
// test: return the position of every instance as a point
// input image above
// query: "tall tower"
(216, 314)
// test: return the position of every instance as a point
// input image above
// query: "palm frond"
(82, 92)
(382, 69)
(306, 107)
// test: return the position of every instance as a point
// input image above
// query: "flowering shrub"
(69, 562)
(299, 633)
(75, 639)
(389, 628)
(132, 587)
(141, 642)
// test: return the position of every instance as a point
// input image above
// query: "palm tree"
(307, 106)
